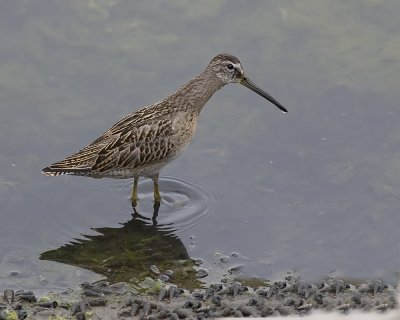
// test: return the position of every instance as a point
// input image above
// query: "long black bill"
(252, 86)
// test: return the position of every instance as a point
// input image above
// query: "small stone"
(238, 314)
(9, 296)
(182, 314)
(201, 273)
(162, 314)
(216, 299)
(174, 316)
(266, 312)
(246, 311)
(153, 268)
(96, 302)
(252, 302)
(146, 308)
(173, 292)
(224, 259)
(147, 283)
(228, 311)
(198, 295)
(209, 292)
(198, 262)
(217, 286)
(162, 294)
(164, 278)
(283, 310)
(188, 304)
(119, 287)
(169, 273)
(92, 293)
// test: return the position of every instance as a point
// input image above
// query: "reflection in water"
(125, 254)
(183, 203)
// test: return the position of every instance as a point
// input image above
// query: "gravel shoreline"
(154, 299)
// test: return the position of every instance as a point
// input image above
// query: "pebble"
(201, 273)
(153, 268)
(169, 273)
(224, 259)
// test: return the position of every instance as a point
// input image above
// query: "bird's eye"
(229, 66)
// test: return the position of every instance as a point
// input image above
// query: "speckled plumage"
(143, 142)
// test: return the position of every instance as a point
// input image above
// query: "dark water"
(316, 190)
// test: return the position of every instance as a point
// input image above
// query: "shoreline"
(155, 299)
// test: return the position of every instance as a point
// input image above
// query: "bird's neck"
(195, 93)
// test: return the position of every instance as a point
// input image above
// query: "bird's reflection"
(126, 253)
(156, 208)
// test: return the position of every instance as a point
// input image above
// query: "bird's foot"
(134, 201)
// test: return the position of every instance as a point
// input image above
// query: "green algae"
(126, 254)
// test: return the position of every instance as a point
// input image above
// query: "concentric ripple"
(183, 202)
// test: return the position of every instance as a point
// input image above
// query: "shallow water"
(314, 191)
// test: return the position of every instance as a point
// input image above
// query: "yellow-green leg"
(157, 196)
(134, 196)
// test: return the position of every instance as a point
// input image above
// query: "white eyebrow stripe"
(238, 66)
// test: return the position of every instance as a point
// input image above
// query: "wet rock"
(92, 293)
(224, 259)
(50, 304)
(96, 302)
(96, 290)
(23, 295)
(198, 262)
(201, 273)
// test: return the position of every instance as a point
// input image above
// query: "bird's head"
(229, 70)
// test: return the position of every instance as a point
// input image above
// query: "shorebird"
(143, 142)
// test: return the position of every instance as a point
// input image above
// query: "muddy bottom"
(155, 299)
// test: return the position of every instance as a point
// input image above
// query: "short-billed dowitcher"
(143, 142)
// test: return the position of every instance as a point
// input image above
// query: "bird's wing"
(125, 148)
(131, 149)
(137, 139)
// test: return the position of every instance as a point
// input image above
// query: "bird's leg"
(157, 196)
(134, 196)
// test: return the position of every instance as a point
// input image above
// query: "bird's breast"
(183, 128)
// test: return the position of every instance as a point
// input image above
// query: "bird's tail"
(54, 171)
